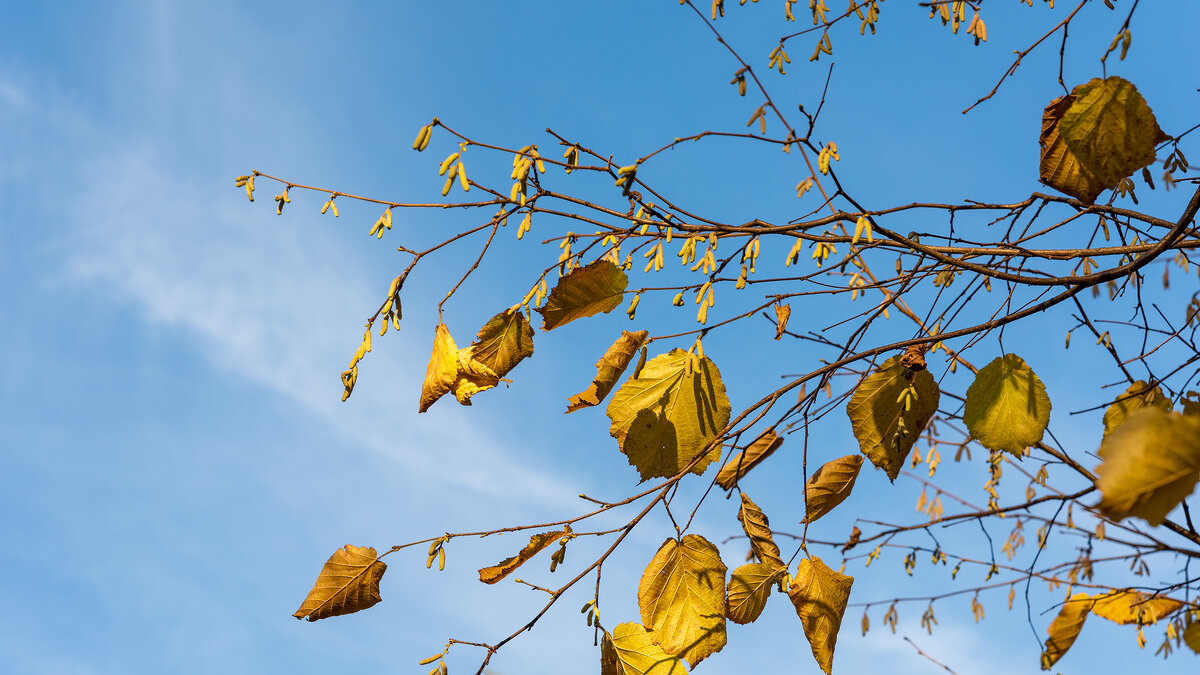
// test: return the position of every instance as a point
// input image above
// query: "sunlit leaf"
(538, 542)
(830, 485)
(1007, 407)
(747, 459)
(1110, 129)
(887, 428)
(749, 587)
(1138, 395)
(504, 341)
(682, 598)
(588, 290)
(608, 369)
(1065, 628)
(348, 583)
(1150, 464)
(453, 369)
(782, 313)
(631, 651)
(758, 531)
(820, 596)
(1059, 167)
(1126, 607)
(1191, 635)
(669, 414)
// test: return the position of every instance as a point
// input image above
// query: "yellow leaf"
(1110, 129)
(453, 369)
(538, 542)
(1138, 395)
(885, 429)
(1191, 635)
(1059, 168)
(631, 650)
(1126, 607)
(1149, 465)
(588, 290)
(1065, 628)
(758, 531)
(1007, 407)
(609, 369)
(831, 485)
(749, 587)
(782, 313)
(348, 583)
(670, 412)
(747, 459)
(820, 596)
(504, 341)
(682, 598)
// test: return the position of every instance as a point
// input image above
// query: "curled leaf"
(453, 369)
(586, 291)
(1007, 407)
(669, 413)
(609, 369)
(682, 598)
(782, 313)
(762, 447)
(820, 596)
(888, 411)
(1150, 464)
(538, 542)
(348, 583)
(1065, 628)
(831, 485)
(758, 531)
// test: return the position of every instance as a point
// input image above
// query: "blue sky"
(179, 464)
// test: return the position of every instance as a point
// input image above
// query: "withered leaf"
(504, 341)
(831, 485)
(585, 291)
(782, 313)
(538, 542)
(1059, 167)
(762, 447)
(453, 369)
(1065, 628)
(609, 369)
(1110, 129)
(749, 587)
(348, 583)
(758, 530)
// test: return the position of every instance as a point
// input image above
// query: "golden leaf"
(747, 459)
(758, 531)
(820, 596)
(682, 598)
(831, 485)
(1110, 129)
(1126, 607)
(749, 587)
(609, 369)
(538, 542)
(888, 410)
(348, 583)
(782, 313)
(588, 290)
(1007, 407)
(670, 412)
(1191, 635)
(1059, 168)
(1149, 465)
(504, 341)
(1065, 628)
(453, 369)
(631, 650)
(1138, 395)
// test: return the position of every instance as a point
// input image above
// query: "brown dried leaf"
(1059, 167)
(609, 369)
(831, 485)
(588, 290)
(782, 313)
(538, 542)
(348, 583)
(747, 459)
